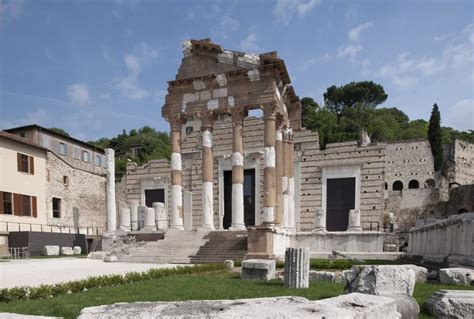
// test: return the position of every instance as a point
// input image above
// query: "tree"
(365, 94)
(435, 137)
(58, 130)
(308, 107)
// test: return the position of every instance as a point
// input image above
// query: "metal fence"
(19, 253)
(18, 226)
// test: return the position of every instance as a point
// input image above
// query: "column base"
(148, 229)
(125, 228)
(237, 228)
(206, 228)
(355, 229)
(176, 227)
(320, 230)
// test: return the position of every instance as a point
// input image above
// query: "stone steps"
(222, 245)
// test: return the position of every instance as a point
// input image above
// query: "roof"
(21, 140)
(40, 128)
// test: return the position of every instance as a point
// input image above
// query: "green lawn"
(216, 285)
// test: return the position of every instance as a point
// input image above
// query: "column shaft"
(279, 167)
(269, 178)
(291, 181)
(111, 205)
(207, 179)
(176, 221)
(286, 166)
(237, 175)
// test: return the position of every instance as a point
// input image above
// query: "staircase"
(184, 247)
(220, 246)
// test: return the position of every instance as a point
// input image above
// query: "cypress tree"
(435, 138)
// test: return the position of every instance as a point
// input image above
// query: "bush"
(46, 291)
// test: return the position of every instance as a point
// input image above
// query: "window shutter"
(1, 203)
(32, 165)
(18, 161)
(17, 205)
(34, 207)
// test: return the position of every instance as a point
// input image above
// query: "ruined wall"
(460, 164)
(407, 161)
(82, 194)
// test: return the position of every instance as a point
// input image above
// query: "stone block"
(421, 273)
(67, 251)
(258, 269)
(451, 304)
(406, 305)
(456, 276)
(335, 276)
(51, 250)
(381, 279)
(110, 258)
(390, 248)
(229, 264)
(77, 250)
(96, 255)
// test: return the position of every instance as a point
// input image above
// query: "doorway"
(154, 196)
(340, 199)
(249, 198)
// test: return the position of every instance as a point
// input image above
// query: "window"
(98, 160)
(45, 141)
(56, 207)
(77, 152)
(429, 183)
(7, 206)
(22, 134)
(65, 180)
(413, 184)
(397, 186)
(25, 205)
(189, 130)
(86, 157)
(26, 164)
(62, 148)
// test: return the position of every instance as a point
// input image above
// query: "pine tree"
(435, 138)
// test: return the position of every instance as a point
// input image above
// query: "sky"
(97, 67)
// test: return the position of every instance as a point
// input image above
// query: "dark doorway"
(249, 198)
(340, 199)
(154, 196)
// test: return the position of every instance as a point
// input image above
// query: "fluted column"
(207, 173)
(269, 177)
(176, 221)
(291, 180)
(279, 164)
(237, 171)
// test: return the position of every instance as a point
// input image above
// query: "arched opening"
(397, 186)
(429, 183)
(462, 211)
(386, 186)
(413, 184)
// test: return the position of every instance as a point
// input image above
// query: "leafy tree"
(365, 94)
(435, 137)
(59, 131)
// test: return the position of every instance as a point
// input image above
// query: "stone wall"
(460, 163)
(82, 194)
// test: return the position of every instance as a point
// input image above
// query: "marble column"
(134, 214)
(354, 220)
(176, 221)
(297, 268)
(286, 167)
(269, 175)
(207, 174)
(291, 181)
(150, 222)
(320, 221)
(125, 219)
(160, 216)
(279, 164)
(111, 205)
(237, 171)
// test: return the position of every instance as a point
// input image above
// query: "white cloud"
(461, 115)
(249, 43)
(78, 93)
(285, 10)
(354, 34)
(148, 53)
(133, 63)
(349, 50)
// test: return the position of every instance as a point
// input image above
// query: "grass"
(337, 264)
(215, 285)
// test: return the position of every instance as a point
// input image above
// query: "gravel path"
(35, 272)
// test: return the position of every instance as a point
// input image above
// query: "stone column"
(125, 219)
(354, 220)
(286, 167)
(291, 181)
(111, 205)
(176, 177)
(207, 173)
(134, 214)
(237, 171)
(320, 221)
(269, 176)
(297, 268)
(149, 220)
(279, 164)
(160, 216)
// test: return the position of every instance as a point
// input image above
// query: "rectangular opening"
(7, 203)
(62, 148)
(249, 198)
(56, 207)
(340, 199)
(23, 163)
(25, 205)
(154, 196)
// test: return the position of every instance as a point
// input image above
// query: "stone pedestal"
(260, 243)
(258, 269)
(297, 268)
(125, 219)
(320, 221)
(354, 220)
(149, 220)
(160, 216)
(134, 214)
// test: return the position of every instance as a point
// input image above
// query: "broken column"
(354, 220)
(134, 214)
(320, 220)
(149, 220)
(125, 219)
(160, 216)
(111, 206)
(269, 174)
(207, 173)
(176, 177)
(291, 181)
(297, 268)
(286, 166)
(237, 171)
(279, 163)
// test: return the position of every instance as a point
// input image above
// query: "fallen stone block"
(451, 304)
(390, 248)
(110, 258)
(456, 276)
(297, 268)
(432, 275)
(96, 255)
(229, 264)
(316, 275)
(380, 279)
(349, 306)
(258, 269)
(77, 250)
(421, 273)
(50, 250)
(406, 305)
(67, 251)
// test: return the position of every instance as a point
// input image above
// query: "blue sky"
(97, 67)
